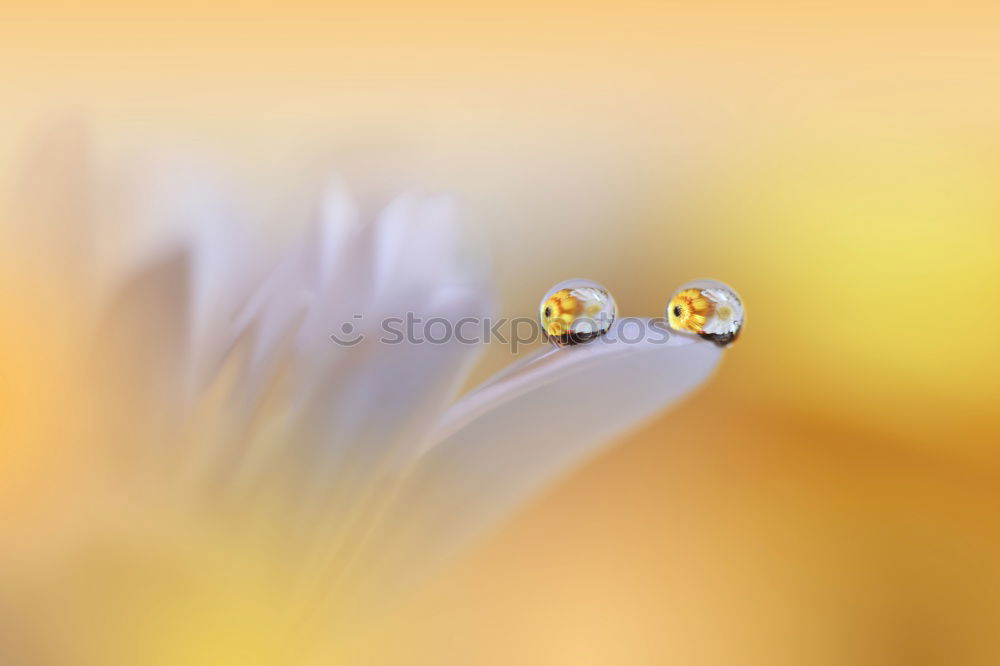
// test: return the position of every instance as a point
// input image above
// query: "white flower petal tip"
(615, 374)
(509, 438)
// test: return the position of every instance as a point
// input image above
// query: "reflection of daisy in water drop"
(591, 316)
(727, 312)
(708, 308)
(559, 311)
(688, 310)
(242, 473)
(578, 308)
(593, 298)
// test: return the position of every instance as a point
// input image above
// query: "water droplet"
(576, 311)
(708, 308)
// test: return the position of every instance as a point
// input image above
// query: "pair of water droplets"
(578, 311)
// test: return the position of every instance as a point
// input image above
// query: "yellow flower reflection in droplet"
(708, 308)
(576, 311)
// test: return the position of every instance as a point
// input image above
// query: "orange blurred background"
(832, 495)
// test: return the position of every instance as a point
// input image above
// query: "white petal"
(338, 230)
(715, 295)
(317, 280)
(416, 245)
(362, 409)
(504, 442)
(185, 207)
(367, 428)
(715, 326)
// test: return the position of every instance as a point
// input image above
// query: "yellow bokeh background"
(831, 496)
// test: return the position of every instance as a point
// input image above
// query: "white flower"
(218, 389)
(727, 315)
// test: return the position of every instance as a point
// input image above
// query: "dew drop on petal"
(708, 308)
(576, 311)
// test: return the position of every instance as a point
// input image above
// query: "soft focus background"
(831, 497)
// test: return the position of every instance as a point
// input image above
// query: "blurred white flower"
(217, 388)
(727, 314)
